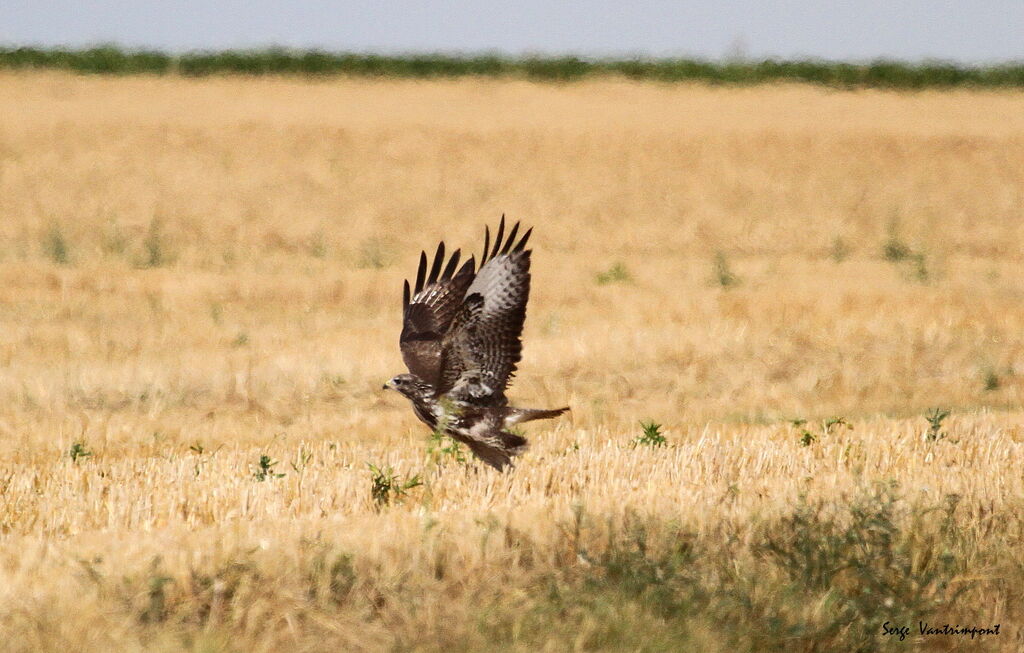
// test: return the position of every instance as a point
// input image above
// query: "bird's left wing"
(428, 310)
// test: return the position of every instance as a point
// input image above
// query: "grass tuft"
(895, 250)
(317, 244)
(722, 273)
(154, 247)
(991, 381)
(374, 254)
(839, 251)
(56, 246)
(617, 273)
(115, 242)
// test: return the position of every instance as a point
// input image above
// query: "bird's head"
(405, 384)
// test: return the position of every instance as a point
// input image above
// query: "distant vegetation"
(882, 74)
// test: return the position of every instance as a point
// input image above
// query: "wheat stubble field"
(198, 273)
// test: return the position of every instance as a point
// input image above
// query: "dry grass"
(197, 273)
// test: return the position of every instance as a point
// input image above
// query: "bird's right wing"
(483, 346)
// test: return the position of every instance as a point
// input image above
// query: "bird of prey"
(460, 339)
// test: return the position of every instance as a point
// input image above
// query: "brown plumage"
(461, 330)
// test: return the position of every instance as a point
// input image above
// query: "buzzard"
(460, 339)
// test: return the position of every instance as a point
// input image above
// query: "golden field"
(196, 273)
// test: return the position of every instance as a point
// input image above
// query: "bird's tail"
(498, 449)
(518, 415)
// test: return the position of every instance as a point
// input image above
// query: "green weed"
(650, 437)
(302, 459)
(441, 447)
(78, 451)
(386, 486)
(809, 437)
(935, 419)
(265, 469)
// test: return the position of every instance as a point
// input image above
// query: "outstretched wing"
(483, 345)
(429, 309)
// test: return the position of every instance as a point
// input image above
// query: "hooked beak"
(386, 386)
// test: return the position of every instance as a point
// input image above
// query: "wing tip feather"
(504, 244)
(468, 267)
(421, 271)
(453, 262)
(487, 244)
(499, 236)
(522, 242)
(435, 268)
(511, 240)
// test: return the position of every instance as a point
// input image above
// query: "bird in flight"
(461, 330)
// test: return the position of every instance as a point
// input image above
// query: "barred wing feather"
(428, 311)
(484, 344)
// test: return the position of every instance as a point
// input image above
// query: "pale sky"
(978, 31)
